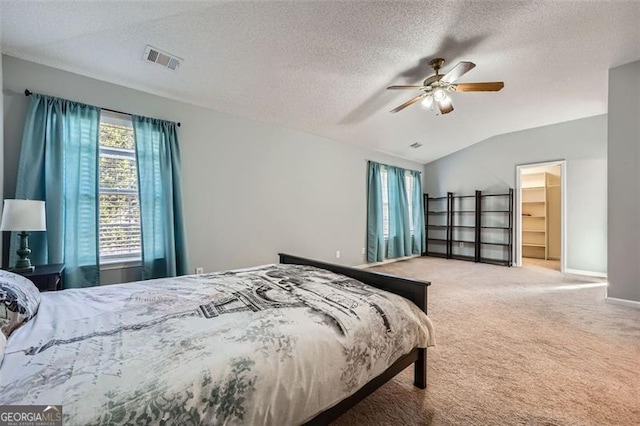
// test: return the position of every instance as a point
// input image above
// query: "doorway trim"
(517, 232)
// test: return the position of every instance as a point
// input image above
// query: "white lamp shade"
(23, 215)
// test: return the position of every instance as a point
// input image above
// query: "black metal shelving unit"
(447, 227)
(502, 214)
(436, 222)
(462, 244)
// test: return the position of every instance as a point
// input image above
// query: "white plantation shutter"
(385, 203)
(408, 178)
(119, 203)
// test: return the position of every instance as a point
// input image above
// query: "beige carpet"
(515, 346)
(549, 264)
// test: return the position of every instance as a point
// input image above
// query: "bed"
(299, 342)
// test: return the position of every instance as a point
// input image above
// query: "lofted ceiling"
(322, 67)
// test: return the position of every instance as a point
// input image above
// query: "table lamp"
(23, 216)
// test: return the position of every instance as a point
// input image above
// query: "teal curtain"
(158, 158)
(59, 164)
(399, 243)
(418, 242)
(375, 237)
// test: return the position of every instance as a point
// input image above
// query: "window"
(119, 203)
(408, 180)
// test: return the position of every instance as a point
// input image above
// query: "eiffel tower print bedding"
(273, 345)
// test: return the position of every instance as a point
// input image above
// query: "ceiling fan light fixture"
(445, 102)
(427, 102)
(439, 95)
(445, 106)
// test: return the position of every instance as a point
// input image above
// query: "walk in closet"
(541, 213)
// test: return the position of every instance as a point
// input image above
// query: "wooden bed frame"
(413, 290)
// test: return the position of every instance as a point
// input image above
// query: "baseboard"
(588, 273)
(622, 302)
(384, 262)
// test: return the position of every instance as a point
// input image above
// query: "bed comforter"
(275, 344)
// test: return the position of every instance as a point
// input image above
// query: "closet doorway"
(540, 215)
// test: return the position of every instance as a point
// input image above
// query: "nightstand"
(47, 277)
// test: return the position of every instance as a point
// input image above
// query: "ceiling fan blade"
(458, 71)
(405, 87)
(408, 103)
(445, 106)
(479, 87)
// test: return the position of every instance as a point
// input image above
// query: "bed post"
(420, 369)
(420, 366)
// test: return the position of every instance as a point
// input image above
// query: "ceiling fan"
(434, 89)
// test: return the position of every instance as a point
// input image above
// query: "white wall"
(251, 189)
(624, 182)
(490, 166)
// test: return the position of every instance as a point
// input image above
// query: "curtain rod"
(28, 92)
(391, 165)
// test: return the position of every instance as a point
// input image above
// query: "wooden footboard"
(413, 290)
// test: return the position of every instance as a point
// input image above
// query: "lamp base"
(26, 270)
(23, 264)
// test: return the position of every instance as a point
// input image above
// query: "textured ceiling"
(322, 67)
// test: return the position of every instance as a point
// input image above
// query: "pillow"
(19, 301)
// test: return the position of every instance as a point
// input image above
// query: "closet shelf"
(537, 200)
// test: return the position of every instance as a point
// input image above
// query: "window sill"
(108, 264)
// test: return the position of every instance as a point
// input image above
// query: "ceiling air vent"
(415, 145)
(159, 57)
